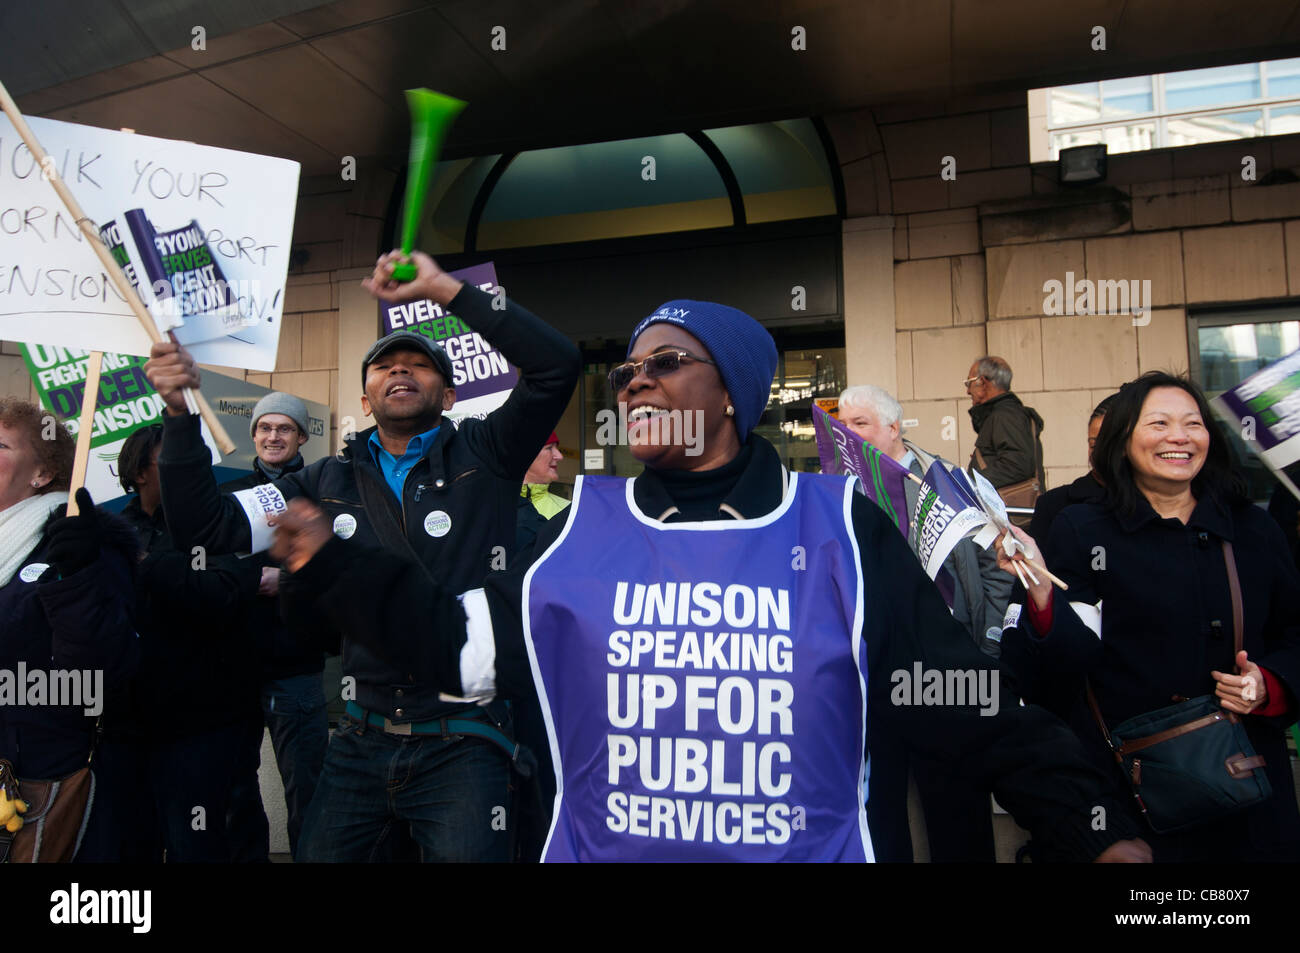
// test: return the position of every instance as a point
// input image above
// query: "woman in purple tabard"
(703, 645)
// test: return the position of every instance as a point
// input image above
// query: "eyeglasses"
(283, 430)
(658, 364)
(971, 380)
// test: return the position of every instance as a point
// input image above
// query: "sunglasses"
(658, 364)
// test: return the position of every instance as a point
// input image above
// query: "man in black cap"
(444, 500)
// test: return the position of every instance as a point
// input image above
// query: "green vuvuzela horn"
(431, 116)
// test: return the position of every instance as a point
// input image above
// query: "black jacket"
(471, 474)
(1166, 624)
(197, 657)
(1086, 489)
(283, 652)
(1004, 438)
(82, 622)
(1285, 510)
(1026, 756)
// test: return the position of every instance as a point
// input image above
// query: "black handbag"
(1191, 762)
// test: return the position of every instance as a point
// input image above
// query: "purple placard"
(480, 369)
(1271, 397)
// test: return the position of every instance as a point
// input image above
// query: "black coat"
(1086, 489)
(198, 660)
(1166, 623)
(471, 475)
(282, 651)
(1006, 440)
(82, 622)
(1026, 756)
(1285, 510)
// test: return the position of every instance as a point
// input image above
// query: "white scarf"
(21, 526)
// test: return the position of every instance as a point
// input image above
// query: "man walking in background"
(1008, 442)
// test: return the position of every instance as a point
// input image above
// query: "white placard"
(593, 459)
(53, 289)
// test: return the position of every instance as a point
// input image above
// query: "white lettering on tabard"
(700, 714)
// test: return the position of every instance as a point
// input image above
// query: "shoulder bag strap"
(1238, 615)
(979, 459)
(1101, 723)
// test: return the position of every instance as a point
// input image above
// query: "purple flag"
(944, 517)
(881, 478)
(1266, 408)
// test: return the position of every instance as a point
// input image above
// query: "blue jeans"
(295, 712)
(453, 793)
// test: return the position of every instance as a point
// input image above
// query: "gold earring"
(731, 411)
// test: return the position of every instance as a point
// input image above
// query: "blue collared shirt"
(394, 468)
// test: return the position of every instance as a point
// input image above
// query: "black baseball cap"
(410, 341)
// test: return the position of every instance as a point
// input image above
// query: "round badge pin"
(32, 571)
(437, 523)
(345, 524)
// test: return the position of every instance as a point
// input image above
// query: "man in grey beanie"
(293, 701)
(276, 444)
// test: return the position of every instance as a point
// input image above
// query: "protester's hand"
(270, 584)
(1041, 591)
(1232, 689)
(430, 281)
(300, 533)
(75, 540)
(1136, 851)
(170, 370)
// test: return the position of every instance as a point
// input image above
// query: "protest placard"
(203, 232)
(1266, 406)
(945, 515)
(126, 402)
(483, 378)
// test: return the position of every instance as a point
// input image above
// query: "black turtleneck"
(697, 494)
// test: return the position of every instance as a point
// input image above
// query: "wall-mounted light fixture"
(1082, 165)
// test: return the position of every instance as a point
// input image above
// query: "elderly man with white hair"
(958, 819)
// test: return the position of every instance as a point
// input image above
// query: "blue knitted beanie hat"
(741, 347)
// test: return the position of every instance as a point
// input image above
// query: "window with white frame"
(1167, 109)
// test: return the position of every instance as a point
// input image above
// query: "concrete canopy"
(317, 82)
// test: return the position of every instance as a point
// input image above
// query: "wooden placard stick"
(111, 267)
(1044, 570)
(87, 423)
